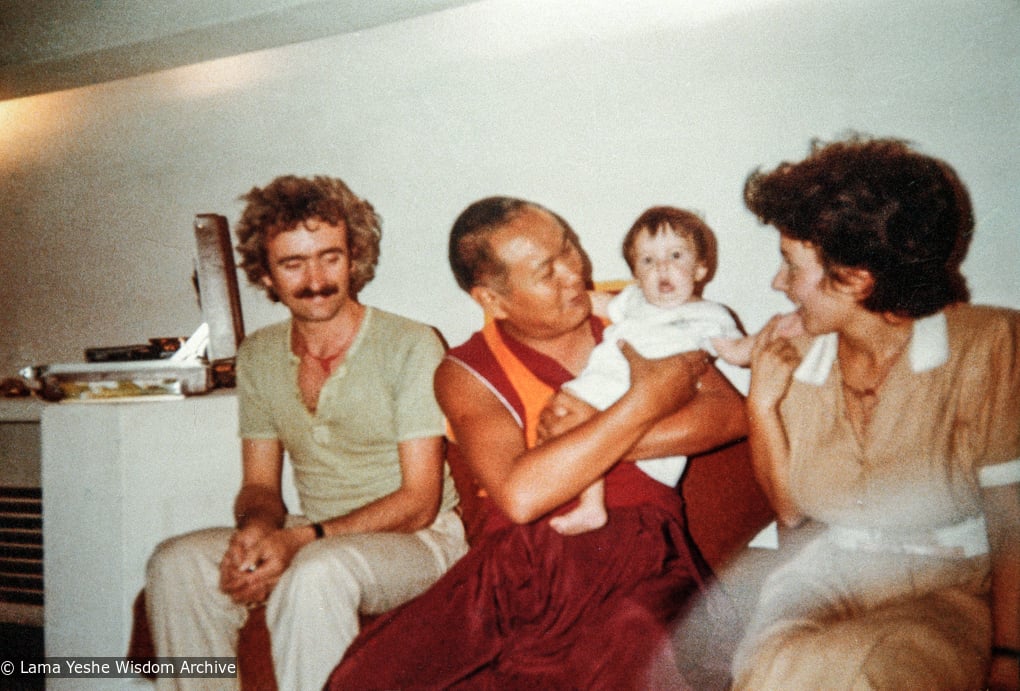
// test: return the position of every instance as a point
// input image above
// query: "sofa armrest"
(725, 507)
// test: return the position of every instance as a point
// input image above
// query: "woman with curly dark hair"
(888, 409)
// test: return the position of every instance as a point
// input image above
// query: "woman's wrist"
(761, 408)
(301, 535)
(265, 524)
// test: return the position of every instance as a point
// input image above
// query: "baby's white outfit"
(654, 332)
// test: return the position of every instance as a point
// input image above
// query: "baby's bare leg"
(589, 514)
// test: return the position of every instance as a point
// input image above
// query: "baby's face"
(666, 267)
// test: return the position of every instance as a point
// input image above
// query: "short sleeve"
(1007, 473)
(254, 418)
(999, 410)
(417, 413)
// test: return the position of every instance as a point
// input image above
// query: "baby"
(671, 254)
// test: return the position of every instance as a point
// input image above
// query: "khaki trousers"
(312, 614)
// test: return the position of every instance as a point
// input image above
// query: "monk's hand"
(664, 385)
(561, 414)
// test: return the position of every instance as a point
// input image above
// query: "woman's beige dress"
(895, 593)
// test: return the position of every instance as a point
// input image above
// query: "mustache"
(323, 292)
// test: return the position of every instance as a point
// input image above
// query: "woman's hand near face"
(773, 361)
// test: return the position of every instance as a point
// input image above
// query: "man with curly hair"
(346, 391)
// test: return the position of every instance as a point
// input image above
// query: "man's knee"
(319, 563)
(318, 583)
(168, 558)
(192, 557)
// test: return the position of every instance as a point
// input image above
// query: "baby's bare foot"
(581, 520)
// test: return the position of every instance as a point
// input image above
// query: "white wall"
(596, 109)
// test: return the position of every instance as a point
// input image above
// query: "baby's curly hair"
(877, 205)
(288, 202)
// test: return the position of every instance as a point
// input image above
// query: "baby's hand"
(737, 351)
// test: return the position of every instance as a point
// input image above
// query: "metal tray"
(117, 380)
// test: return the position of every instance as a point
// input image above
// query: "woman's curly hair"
(288, 202)
(877, 205)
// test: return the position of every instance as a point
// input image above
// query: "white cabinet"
(117, 479)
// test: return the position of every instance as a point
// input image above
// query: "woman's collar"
(929, 348)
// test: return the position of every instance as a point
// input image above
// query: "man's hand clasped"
(254, 562)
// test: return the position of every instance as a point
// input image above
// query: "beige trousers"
(312, 614)
(845, 620)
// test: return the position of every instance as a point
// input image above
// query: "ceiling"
(51, 45)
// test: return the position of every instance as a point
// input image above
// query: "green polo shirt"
(345, 454)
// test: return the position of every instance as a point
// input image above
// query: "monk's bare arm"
(713, 418)
(527, 484)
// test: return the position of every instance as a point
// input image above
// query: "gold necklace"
(866, 398)
(869, 391)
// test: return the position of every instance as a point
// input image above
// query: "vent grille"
(21, 545)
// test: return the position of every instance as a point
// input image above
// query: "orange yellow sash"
(533, 392)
